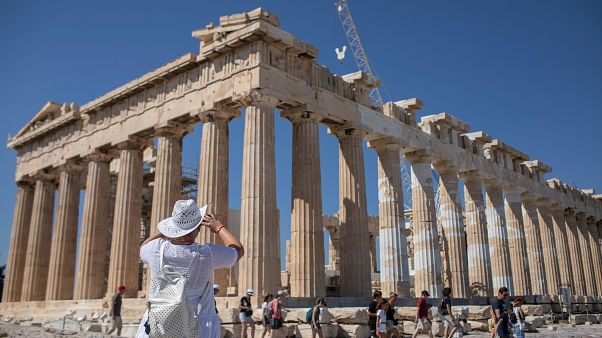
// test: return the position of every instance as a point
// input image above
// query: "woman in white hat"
(179, 233)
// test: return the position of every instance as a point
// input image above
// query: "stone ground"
(12, 330)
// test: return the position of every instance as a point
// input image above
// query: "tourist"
(381, 318)
(116, 322)
(372, 309)
(501, 328)
(246, 314)
(265, 313)
(316, 328)
(277, 320)
(423, 323)
(392, 330)
(518, 318)
(177, 235)
(445, 310)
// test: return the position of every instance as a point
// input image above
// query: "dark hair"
(381, 304)
(320, 300)
(377, 293)
(518, 300)
(425, 293)
(392, 294)
(502, 289)
(267, 296)
(446, 291)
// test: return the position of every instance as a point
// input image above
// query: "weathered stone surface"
(347, 330)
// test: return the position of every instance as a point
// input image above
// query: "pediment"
(51, 116)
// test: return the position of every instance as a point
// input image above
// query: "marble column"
(562, 249)
(353, 216)
(61, 273)
(167, 186)
(548, 245)
(334, 249)
(35, 275)
(307, 240)
(497, 233)
(427, 257)
(534, 253)
(519, 262)
(453, 232)
(586, 254)
(15, 264)
(213, 179)
(575, 253)
(259, 268)
(394, 268)
(125, 248)
(479, 263)
(89, 280)
(596, 255)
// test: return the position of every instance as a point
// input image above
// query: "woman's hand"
(212, 223)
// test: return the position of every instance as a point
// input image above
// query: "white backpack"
(170, 313)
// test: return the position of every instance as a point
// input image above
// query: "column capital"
(24, 182)
(471, 175)
(302, 113)
(590, 220)
(73, 166)
(45, 175)
(580, 216)
(568, 212)
(387, 143)
(99, 156)
(218, 113)
(132, 143)
(543, 202)
(528, 196)
(351, 130)
(557, 207)
(257, 98)
(420, 156)
(171, 128)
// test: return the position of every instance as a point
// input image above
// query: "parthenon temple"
(513, 227)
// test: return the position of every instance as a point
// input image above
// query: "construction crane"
(353, 39)
(361, 59)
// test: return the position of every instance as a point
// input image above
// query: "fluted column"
(453, 232)
(562, 248)
(89, 280)
(586, 254)
(259, 268)
(334, 249)
(167, 187)
(15, 264)
(307, 242)
(597, 258)
(35, 275)
(427, 257)
(61, 273)
(213, 178)
(353, 215)
(519, 262)
(574, 252)
(394, 268)
(123, 268)
(533, 241)
(497, 233)
(548, 245)
(479, 263)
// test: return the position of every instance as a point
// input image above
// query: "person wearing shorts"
(381, 318)
(246, 314)
(423, 324)
(267, 299)
(449, 322)
(316, 328)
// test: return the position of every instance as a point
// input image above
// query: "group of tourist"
(506, 317)
(271, 314)
(381, 316)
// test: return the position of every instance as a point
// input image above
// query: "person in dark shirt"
(246, 314)
(116, 310)
(446, 312)
(423, 323)
(372, 310)
(501, 328)
(215, 292)
(392, 330)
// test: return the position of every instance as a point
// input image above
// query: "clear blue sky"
(527, 72)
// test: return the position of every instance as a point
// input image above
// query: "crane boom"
(353, 39)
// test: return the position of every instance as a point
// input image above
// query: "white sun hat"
(185, 217)
(216, 286)
(250, 292)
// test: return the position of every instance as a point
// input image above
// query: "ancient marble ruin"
(515, 228)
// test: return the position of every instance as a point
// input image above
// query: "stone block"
(534, 322)
(228, 316)
(406, 313)
(479, 325)
(351, 316)
(304, 330)
(359, 331)
(92, 327)
(409, 327)
(437, 329)
(478, 312)
(580, 319)
(465, 327)
(533, 310)
(460, 312)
